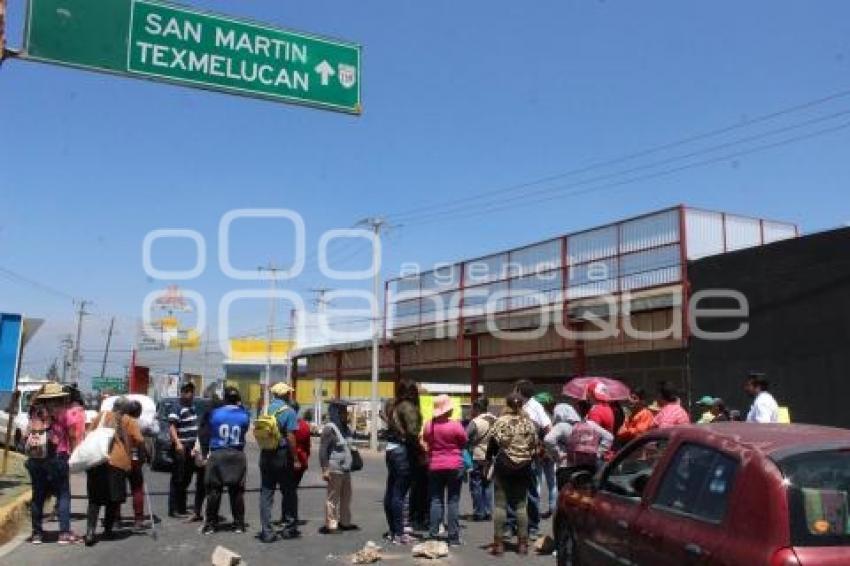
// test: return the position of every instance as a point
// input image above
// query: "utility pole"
(267, 379)
(106, 351)
(75, 360)
(376, 224)
(320, 302)
(180, 363)
(2, 30)
(67, 345)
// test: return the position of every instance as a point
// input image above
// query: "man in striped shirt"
(183, 429)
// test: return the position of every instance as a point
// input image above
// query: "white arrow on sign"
(326, 71)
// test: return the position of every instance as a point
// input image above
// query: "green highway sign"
(165, 42)
(113, 384)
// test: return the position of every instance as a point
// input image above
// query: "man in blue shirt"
(226, 466)
(278, 468)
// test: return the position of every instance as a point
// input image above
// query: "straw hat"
(52, 390)
(442, 405)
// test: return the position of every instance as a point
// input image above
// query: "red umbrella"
(577, 388)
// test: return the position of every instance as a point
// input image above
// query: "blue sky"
(459, 98)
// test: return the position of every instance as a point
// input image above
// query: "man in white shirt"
(764, 409)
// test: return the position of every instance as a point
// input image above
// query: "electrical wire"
(401, 215)
(656, 175)
(655, 164)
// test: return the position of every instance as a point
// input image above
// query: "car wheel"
(566, 545)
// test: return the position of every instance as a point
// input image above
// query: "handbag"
(93, 450)
(36, 445)
(352, 460)
(356, 459)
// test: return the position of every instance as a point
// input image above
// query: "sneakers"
(208, 529)
(36, 538)
(351, 527)
(403, 540)
(69, 538)
(268, 538)
(328, 531)
(455, 542)
(239, 528)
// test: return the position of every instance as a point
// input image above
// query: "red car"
(722, 494)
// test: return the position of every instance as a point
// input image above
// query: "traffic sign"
(11, 340)
(111, 384)
(166, 42)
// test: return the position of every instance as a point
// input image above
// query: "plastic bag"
(93, 450)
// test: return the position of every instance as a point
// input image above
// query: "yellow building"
(245, 366)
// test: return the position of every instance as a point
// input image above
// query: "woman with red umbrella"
(600, 408)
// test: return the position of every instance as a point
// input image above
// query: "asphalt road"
(179, 543)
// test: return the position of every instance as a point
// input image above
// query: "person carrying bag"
(338, 459)
(515, 444)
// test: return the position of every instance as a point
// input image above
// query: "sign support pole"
(2, 30)
(13, 403)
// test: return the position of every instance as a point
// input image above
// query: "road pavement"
(179, 543)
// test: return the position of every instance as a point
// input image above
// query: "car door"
(616, 504)
(684, 522)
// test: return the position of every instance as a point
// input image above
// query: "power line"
(15, 277)
(643, 167)
(630, 156)
(664, 173)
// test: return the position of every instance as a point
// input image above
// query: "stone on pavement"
(370, 554)
(432, 549)
(225, 557)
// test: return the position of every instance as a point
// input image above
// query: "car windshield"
(818, 487)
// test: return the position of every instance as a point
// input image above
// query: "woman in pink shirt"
(671, 413)
(444, 440)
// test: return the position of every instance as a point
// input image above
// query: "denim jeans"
(481, 491)
(276, 471)
(398, 484)
(50, 475)
(444, 489)
(547, 473)
(534, 499)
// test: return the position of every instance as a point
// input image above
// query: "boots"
(91, 524)
(498, 548)
(522, 547)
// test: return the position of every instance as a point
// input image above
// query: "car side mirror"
(639, 484)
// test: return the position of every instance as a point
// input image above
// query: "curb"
(11, 513)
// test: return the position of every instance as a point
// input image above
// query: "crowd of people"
(505, 458)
